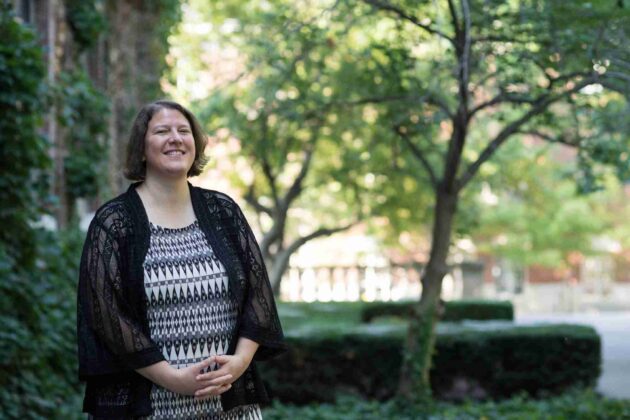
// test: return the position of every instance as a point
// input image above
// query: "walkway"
(614, 328)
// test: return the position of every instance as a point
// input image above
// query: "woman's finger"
(224, 388)
(221, 380)
(209, 376)
(211, 391)
(206, 391)
(201, 366)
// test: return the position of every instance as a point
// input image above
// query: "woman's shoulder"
(114, 215)
(213, 197)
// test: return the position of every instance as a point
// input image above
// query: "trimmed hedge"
(457, 310)
(572, 405)
(478, 360)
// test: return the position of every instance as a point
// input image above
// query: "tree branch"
(271, 178)
(297, 243)
(564, 77)
(549, 138)
(250, 198)
(617, 75)
(504, 96)
(298, 182)
(465, 56)
(383, 5)
(514, 126)
(430, 97)
(419, 155)
(454, 19)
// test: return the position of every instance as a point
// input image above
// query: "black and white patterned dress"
(190, 314)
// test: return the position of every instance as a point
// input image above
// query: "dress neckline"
(169, 229)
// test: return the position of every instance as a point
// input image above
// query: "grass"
(579, 404)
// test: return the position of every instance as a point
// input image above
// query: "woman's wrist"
(246, 349)
(164, 375)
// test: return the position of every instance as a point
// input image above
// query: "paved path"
(614, 328)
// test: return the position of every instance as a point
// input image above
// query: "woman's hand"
(186, 383)
(216, 382)
(180, 381)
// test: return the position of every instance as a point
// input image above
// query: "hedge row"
(472, 360)
(480, 310)
(572, 405)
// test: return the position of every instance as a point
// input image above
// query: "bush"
(472, 360)
(38, 344)
(480, 310)
(572, 405)
(459, 310)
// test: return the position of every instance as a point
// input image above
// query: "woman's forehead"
(168, 116)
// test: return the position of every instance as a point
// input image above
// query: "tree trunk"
(277, 269)
(414, 383)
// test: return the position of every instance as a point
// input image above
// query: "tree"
(528, 65)
(307, 178)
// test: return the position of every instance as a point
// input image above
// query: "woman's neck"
(166, 192)
(167, 202)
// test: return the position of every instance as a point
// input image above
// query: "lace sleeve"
(260, 320)
(102, 301)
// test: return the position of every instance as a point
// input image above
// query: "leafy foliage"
(23, 186)
(87, 21)
(537, 215)
(37, 268)
(572, 405)
(453, 311)
(38, 341)
(81, 109)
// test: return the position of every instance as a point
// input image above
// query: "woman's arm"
(107, 319)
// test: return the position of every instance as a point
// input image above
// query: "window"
(24, 10)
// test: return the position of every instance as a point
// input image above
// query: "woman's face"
(169, 146)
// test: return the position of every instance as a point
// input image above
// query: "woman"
(174, 303)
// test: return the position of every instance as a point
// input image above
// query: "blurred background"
(461, 163)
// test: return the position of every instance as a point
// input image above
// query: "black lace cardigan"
(112, 328)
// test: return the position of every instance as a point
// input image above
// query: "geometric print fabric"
(192, 315)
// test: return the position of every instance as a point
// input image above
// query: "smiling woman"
(174, 303)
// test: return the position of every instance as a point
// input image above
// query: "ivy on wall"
(38, 268)
(24, 150)
(37, 341)
(87, 21)
(81, 109)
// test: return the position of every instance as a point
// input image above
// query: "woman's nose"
(175, 137)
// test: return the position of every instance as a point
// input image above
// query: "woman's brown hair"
(135, 165)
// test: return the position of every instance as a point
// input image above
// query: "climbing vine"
(24, 155)
(34, 264)
(38, 267)
(81, 109)
(87, 21)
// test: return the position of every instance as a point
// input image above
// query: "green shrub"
(474, 359)
(480, 310)
(457, 310)
(37, 344)
(573, 405)
(24, 154)
(298, 314)
(38, 269)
